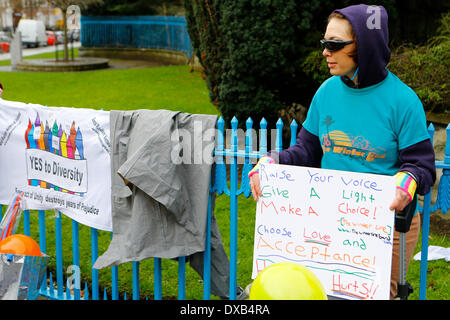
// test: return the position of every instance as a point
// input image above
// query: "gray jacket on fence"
(160, 188)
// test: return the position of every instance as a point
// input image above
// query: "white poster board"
(59, 157)
(336, 223)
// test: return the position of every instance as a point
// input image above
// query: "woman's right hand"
(253, 176)
(255, 186)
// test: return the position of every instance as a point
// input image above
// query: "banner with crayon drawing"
(59, 158)
(336, 223)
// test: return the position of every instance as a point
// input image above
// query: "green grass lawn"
(173, 88)
(112, 89)
(438, 280)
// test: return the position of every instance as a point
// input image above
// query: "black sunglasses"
(334, 45)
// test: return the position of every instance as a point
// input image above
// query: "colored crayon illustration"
(53, 139)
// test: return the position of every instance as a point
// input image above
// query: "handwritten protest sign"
(336, 223)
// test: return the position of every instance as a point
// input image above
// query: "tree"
(64, 5)
(425, 68)
(17, 7)
(251, 52)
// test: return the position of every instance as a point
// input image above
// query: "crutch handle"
(403, 218)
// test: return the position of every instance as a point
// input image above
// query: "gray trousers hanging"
(160, 191)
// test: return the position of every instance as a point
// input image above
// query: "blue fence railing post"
(442, 202)
(294, 127)
(279, 138)
(157, 278)
(136, 287)
(26, 222)
(42, 240)
(248, 165)
(263, 137)
(59, 256)
(114, 280)
(207, 253)
(447, 147)
(233, 208)
(181, 278)
(86, 291)
(220, 179)
(76, 260)
(51, 288)
(42, 243)
(94, 256)
(425, 233)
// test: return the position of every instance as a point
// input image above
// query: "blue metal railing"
(156, 32)
(220, 186)
(442, 202)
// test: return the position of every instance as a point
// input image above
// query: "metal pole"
(402, 262)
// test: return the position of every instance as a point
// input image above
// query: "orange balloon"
(20, 244)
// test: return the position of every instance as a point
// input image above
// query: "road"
(32, 51)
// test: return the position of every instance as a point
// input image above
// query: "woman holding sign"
(364, 118)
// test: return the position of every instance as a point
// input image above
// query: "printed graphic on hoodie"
(355, 147)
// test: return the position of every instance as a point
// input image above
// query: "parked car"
(51, 38)
(33, 32)
(73, 35)
(5, 43)
(59, 37)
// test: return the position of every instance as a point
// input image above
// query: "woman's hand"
(256, 188)
(406, 187)
(253, 176)
(401, 200)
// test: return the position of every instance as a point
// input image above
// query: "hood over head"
(370, 25)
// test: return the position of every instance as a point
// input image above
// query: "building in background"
(11, 11)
